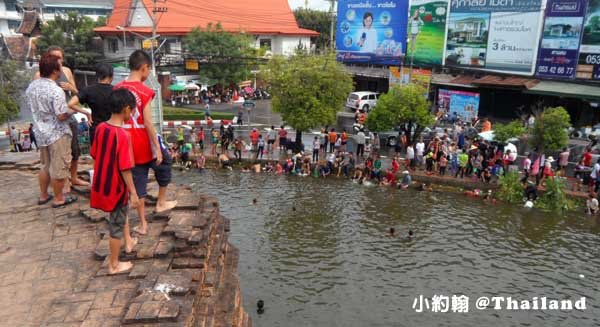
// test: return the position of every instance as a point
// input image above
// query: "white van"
(362, 100)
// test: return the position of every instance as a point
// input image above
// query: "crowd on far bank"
(451, 154)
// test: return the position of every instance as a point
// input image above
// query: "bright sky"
(313, 4)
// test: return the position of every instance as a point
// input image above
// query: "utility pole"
(154, 11)
(332, 28)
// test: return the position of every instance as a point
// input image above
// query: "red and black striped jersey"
(112, 153)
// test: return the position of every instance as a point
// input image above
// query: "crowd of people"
(450, 154)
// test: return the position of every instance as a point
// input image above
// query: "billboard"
(561, 36)
(588, 66)
(401, 75)
(495, 35)
(426, 31)
(371, 31)
(464, 104)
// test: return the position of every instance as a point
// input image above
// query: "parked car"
(362, 100)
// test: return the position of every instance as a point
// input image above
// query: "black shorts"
(162, 173)
(282, 141)
(270, 141)
(117, 220)
(185, 156)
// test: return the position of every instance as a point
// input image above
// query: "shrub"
(554, 198)
(511, 189)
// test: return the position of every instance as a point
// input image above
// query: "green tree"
(225, 57)
(74, 33)
(12, 83)
(505, 132)
(308, 90)
(404, 106)
(550, 130)
(318, 21)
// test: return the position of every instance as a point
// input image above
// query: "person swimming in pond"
(256, 168)
(254, 201)
(425, 187)
(245, 169)
(260, 305)
(409, 237)
(392, 231)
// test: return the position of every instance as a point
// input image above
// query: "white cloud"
(313, 4)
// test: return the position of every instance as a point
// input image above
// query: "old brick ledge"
(53, 262)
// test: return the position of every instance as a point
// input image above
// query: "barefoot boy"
(146, 148)
(113, 182)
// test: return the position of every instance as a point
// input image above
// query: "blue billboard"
(371, 31)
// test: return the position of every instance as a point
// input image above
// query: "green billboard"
(426, 32)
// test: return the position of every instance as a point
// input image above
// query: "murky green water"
(331, 262)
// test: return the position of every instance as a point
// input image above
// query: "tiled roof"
(20, 47)
(254, 17)
(30, 21)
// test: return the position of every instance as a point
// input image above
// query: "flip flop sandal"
(42, 202)
(68, 200)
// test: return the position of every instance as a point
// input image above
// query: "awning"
(449, 80)
(177, 87)
(566, 90)
(505, 81)
(376, 72)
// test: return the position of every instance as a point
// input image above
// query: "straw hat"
(405, 172)
(550, 159)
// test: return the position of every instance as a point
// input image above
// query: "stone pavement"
(52, 262)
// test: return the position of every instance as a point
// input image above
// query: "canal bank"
(451, 183)
(53, 270)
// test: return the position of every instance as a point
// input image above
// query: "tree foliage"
(308, 90)
(318, 21)
(505, 132)
(554, 197)
(511, 189)
(74, 33)
(550, 130)
(224, 57)
(404, 106)
(12, 83)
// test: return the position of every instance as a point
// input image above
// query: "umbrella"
(248, 90)
(511, 147)
(488, 136)
(192, 86)
(177, 87)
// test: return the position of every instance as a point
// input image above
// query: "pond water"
(331, 262)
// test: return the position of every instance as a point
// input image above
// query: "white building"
(10, 18)
(271, 22)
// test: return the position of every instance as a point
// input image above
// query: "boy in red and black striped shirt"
(112, 188)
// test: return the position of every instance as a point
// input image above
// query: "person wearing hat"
(547, 169)
(406, 180)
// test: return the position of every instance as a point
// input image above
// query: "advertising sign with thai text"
(500, 35)
(589, 51)
(371, 31)
(561, 36)
(426, 32)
